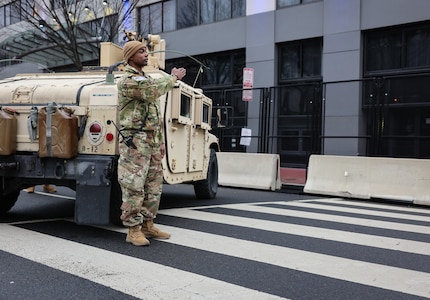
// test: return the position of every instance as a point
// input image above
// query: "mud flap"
(92, 205)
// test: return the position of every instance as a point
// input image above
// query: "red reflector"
(109, 137)
(95, 127)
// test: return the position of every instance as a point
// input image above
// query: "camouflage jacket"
(139, 106)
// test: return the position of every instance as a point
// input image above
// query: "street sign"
(248, 83)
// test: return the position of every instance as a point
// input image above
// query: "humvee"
(62, 129)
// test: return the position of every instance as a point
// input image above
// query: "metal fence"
(394, 118)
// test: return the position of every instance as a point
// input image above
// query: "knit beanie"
(130, 48)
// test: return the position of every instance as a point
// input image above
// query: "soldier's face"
(140, 58)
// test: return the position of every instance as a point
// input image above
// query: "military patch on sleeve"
(140, 78)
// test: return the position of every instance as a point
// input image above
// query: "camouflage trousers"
(140, 176)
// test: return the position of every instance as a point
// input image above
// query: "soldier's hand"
(179, 72)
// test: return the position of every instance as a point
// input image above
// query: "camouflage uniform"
(140, 171)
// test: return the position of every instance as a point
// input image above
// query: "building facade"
(340, 77)
(331, 77)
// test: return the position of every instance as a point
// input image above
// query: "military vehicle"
(62, 129)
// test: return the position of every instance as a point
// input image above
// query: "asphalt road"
(245, 244)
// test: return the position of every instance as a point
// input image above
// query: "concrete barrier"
(249, 170)
(370, 177)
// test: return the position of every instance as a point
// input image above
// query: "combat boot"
(150, 231)
(136, 237)
(47, 188)
(30, 189)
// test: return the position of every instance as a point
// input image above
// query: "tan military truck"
(62, 129)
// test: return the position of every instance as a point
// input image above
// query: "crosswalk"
(327, 248)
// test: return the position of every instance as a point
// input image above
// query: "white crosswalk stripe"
(97, 265)
(136, 277)
(417, 283)
(400, 215)
(309, 231)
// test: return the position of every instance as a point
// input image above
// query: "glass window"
(207, 12)
(290, 62)
(394, 127)
(293, 102)
(408, 90)
(2, 17)
(312, 60)
(169, 15)
(383, 51)
(238, 8)
(144, 20)
(300, 60)
(299, 101)
(417, 47)
(209, 77)
(150, 19)
(7, 15)
(223, 69)
(185, 106)
(15, 12)
(187, 13)
(397, 49)
(220, 72)
(238, 65)
(223, 10)
(205, 113)
(155, 17)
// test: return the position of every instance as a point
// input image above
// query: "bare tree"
(74, 28)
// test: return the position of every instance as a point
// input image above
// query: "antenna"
(197, 76)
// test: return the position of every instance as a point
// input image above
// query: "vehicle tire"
(115, 203)
(207, 189)
(8, 201)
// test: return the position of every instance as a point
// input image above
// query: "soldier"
(140, 171)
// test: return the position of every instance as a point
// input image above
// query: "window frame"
(402, 33)
(8, 16)
(302, 46)
(236, 9)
